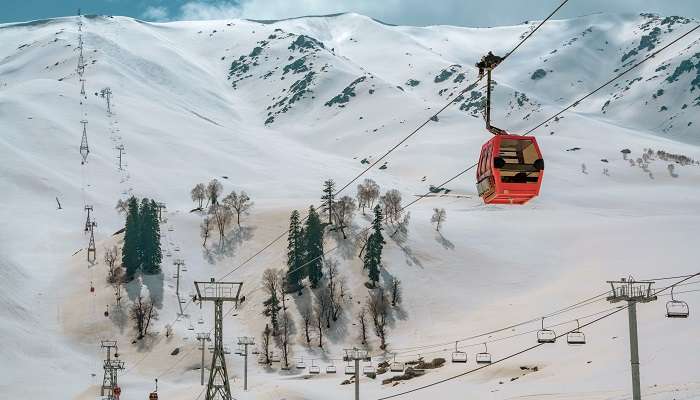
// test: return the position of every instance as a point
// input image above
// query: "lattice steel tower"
(218, 387)
(84, 149)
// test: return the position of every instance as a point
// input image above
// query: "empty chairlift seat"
(349, 370)
(300, 364)
(458, 356)
(576, 337)
(677, 308)
(546, 335)
(396, 367)
(484, 357)
(314, 369)
(330, 369)
(369, 369)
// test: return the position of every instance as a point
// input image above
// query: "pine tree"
(375, 244)
(132, 231)
(271, 309)
(313, 247)
(154, 258)
(295, 255)
(328, 197)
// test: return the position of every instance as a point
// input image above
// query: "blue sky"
(404, 12)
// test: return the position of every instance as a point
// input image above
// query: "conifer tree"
(313, 247)
(295, 255)
(375, 244)
(328, 197)
(151, 239)
(132, 231)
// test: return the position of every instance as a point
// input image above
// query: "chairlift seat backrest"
(330, 369)
(459, 357)
(350, 370)
(300, 365)
(576, 337)
(546, 336)
(483, 358)
(677, 309)
(397, 367)
(368, 370)
(314, 369)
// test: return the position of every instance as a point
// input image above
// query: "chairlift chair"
(300, 364)
(314, 369)
(484, 357)
(396, 366)
(576, 337)
(275, 358)
(677, 308)
(349, 369)
(546, 335)
(458, 356)
(330, 369)
(369, 369)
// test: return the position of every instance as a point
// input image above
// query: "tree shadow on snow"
(398, 312)
(228, 246)
(444, 242)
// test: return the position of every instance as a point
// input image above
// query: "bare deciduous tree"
(321, 314)
(396, 292)
(122, 206)
(270, 284)
(307, 317)
(142, 312)
(379, 311)
(205, 228)
(111, 256)
(343, 212)
(199, 194)
(439, 216)
(362, 321)
(367, 194)
(266, 340)
(282, 284)
(222, 217)
(239, 203)
(391, 204)
(361, 241)
(286, 327)
(214, 189)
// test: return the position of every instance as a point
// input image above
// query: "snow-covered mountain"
(276, 107)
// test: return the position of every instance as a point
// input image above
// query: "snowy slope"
(278, 107)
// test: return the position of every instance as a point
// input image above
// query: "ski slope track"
(276, 107)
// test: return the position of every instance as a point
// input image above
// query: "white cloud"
(196, 10)
(421, 12)
(155, 13)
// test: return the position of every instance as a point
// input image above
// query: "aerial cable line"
(528, 348)
(454, 99)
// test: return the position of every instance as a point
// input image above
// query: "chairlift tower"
(111, 367)
(245, 341)
(84, 149)
(203, 337)
(121, 152)
(356, 355)
(218, 387)
(179, 263)
(92, 250)
(633, 292)
(82, 87)
(88, 208)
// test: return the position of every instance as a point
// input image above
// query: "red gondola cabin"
(510, 170)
